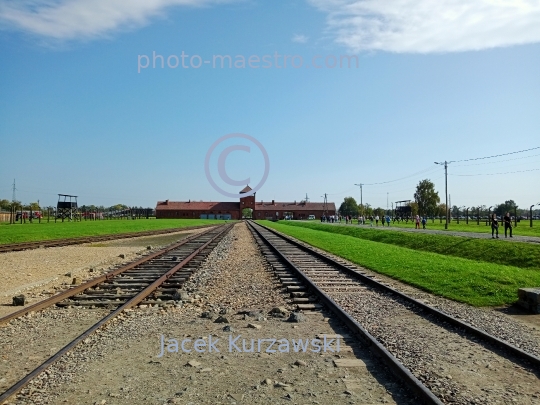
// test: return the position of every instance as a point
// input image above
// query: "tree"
(247, 213)
(426, 197)
(440, 211)
(349, 207)
(414, 209)
(34, 206)
(366, 209)
(507, 206)
(379, 211)
(5, 204)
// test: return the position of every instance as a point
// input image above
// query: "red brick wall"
(191, 214)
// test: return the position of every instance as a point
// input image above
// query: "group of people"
(384, 219)
(331, 218)
(419, 220)
(362, 220)
(507, 221)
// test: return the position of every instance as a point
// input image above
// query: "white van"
(311, 217)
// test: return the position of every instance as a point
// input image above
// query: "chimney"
(273, 202)
(166, 202)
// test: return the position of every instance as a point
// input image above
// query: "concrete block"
(529, 298)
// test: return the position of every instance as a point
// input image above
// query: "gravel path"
(120, 365)
(479, 235)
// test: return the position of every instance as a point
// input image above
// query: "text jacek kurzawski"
(239, 345)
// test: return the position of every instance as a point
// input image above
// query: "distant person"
(494, 226)
(388, 220)
(417, 222)
(424, 222)
(507, 224)
(376, 220)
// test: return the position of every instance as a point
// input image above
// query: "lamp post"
(530, 212)
(467, 216)
(489, 216)
(445, 163)
(361, 202)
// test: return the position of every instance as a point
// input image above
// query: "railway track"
(413, 339)
(154, 279)
(13, 247)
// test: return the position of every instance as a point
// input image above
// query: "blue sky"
(435, 80)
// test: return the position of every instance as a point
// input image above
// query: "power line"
(498, 161)
(494, 156)
(402, 178)
(494, 174)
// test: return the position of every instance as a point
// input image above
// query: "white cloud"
(299, 38)
(424, 26)
(84, 19)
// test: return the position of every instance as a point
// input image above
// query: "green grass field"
(523, 255)
(475, 282)
(522, 228)
(60, 230)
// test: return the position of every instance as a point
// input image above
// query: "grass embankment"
(486, 250)
(61, 230)
(523, 228)
(475, 282)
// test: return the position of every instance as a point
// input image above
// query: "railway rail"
(313, 278)
(154, 279)
(13, 247)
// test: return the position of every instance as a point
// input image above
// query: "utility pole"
(325, 205)
(445, 188)
(307, 199)
(361, 202)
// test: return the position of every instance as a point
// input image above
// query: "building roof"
(294, 206)
(198, 205)
(246, 189)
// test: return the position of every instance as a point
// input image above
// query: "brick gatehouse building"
(233, 210)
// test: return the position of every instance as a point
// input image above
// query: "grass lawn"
(522, 228)
(474, 282)
(526, 255)
(60, 230)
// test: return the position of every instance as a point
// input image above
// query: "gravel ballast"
(39, 273)
(121, 365)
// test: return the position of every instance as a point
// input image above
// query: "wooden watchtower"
(403, 210)
(67, 209)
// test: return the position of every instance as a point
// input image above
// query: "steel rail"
(130, 303)
(13, 247)
(519, 353)
(375, 346)
(98, 280)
